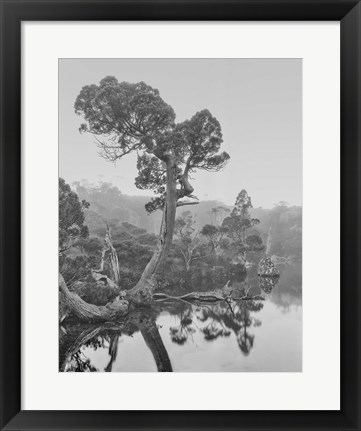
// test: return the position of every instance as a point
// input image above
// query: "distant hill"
(109, 205)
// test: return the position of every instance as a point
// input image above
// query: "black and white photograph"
(180, 215)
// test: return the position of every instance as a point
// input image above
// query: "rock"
(266, 268)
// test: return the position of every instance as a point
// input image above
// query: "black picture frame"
(13, 12)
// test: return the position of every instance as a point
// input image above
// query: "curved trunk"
(90, 312)
(143, 290)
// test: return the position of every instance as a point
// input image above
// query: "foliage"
(239, 222)
(215, 235)
(254, 243)
(79, 363)
(93, 293)
(184, 226)
(133, 117)
(187, 244)
(71, 217)
(77, 267)
(218, 214)
(90, 246)
(192, 245)
(134, 247)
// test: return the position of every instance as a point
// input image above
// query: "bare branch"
(182, 204)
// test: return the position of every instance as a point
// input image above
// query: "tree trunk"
(90, 312)
(142, 292)
(70, 342)
(155, 343)
(113, 352)
(97, 274)
(113, 257)
(73, 337)
(188, 265)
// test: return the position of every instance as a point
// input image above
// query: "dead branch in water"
(206, 297)
(192, 296)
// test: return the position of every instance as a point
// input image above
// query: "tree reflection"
(79, 363)
(113, 352)
(237, 315)
(238, 318)
(155, 343)
(179, 334)
(218, 320)
(73, 338)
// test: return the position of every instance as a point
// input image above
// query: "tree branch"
(182, 204)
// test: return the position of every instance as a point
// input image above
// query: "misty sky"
(258, 103)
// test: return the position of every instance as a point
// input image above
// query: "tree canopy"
(238, 223)
(133, 117)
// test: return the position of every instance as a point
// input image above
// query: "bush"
(93, 293)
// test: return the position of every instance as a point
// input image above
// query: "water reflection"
(76, 340)
(260, 322)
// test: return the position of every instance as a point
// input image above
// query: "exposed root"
(89, 312)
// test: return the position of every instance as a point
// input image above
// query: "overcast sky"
(258, 103)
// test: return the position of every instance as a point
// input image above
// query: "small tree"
(239, 222)
(190, 245)
(215, 236)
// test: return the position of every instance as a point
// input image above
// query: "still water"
(243, 335)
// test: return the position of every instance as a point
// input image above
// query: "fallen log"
(206, 297)
(250, 298)
(192, 296)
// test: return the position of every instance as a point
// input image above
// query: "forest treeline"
(126, 118)
(108, 203)
(212, 244)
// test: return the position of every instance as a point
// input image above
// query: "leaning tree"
(126, 118)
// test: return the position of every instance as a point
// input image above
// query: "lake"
(238, 335)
